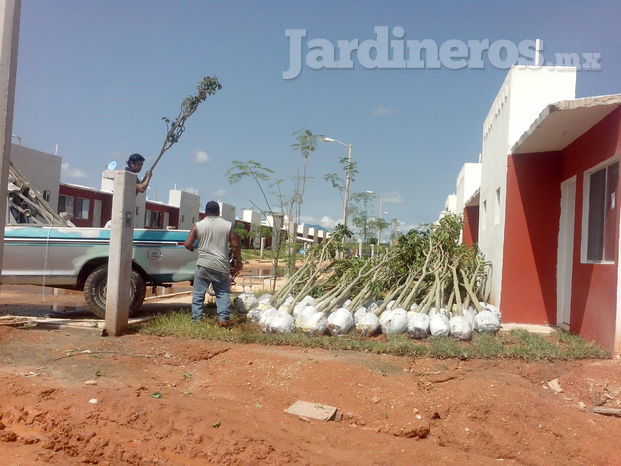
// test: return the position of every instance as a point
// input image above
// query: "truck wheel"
(95, 291)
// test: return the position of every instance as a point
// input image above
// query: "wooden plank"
(309, 410)
(607, 411)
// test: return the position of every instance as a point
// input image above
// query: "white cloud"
(325, 221)
(393, 198)
(219, 193)
(200, 156)
(66, 170)
(384, 110)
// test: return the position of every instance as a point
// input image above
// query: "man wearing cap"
(215, 235)
(134, 165)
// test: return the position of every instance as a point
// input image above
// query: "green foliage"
(175, 127)
(249, 168)
(253, 170)
(306, 142)
(241, 231)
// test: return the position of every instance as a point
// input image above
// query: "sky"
(95, 78)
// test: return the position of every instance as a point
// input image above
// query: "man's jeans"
(221, 282)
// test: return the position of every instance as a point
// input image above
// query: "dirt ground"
(70, 396)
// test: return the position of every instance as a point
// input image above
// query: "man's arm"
(192, 236)
(235, 247)
(144, 184)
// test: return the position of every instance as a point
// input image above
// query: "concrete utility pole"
(118, 298)
(9, 34)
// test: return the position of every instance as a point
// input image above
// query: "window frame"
(81, 201)
(586, 191)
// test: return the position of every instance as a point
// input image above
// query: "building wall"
(100, 204)
(41, 169)
(468, 181)
(531, 238)
(471, 225)
(189, 206)
(227, 212)
(449, 205)
(524, 94)
(594, 286)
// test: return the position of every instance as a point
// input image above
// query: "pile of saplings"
(426, 284)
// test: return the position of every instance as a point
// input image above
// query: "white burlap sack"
(439, 325)
(395, 322)
(244, 302)
(314, 323)
(360, 312)
(340, 322)
(304, 314)
(265, 298)
(266, 319)
(461, 327)
(487, 322)
(368, 324)
(418, 325)
(281, 322)
(254, 315)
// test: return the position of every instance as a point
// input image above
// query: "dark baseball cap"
(135, 158)
(212, 207)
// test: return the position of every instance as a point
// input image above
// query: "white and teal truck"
(77, 258)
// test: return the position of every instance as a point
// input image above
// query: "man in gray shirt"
(215, 235)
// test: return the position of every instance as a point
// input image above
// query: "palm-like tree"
(306, 144)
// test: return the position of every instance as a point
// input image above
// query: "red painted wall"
(594, 286)
(471, 225)
(531, 235)
(65, 190)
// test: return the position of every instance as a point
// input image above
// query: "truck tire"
(95, 291)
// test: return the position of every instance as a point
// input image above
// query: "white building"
(189, 206)
(41, 169)
(523, 95)
(468, 182)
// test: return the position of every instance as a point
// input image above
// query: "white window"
(484, 216)
(65, 204)
(600, 221)
(81, 208)
(153, 219)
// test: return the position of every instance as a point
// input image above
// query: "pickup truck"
(77, 259)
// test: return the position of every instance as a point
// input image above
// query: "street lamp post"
(381, 217)
(347, 177)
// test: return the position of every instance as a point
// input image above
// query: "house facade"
(561, 235)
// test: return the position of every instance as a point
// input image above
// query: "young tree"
(394, 229)
(253, 170)
(306, 144)
(175, 128)
(360, 212)
(350, 169)
(379, 224)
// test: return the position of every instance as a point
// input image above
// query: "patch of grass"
(518, 344)
(446, 347)
(578, 347)
(533, 347)
(486, 346)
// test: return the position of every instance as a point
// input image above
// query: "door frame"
(565, 252)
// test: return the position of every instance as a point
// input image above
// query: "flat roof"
(561, 123)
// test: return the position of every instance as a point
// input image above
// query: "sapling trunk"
(449, 305)
(473, 296)
(460, 309)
